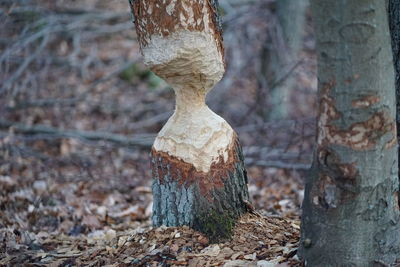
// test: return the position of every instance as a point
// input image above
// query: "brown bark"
(160, 21)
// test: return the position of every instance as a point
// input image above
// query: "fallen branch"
(143, 141)
(276, 124)
(278, 164)
(151, 121)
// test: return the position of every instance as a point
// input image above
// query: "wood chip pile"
(258, 241)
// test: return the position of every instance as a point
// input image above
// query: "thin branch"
(151, 121)
(278, 164)
(276, 124)
(8, 83)
(143, 141)
(43, 103)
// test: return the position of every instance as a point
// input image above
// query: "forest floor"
(78, 113)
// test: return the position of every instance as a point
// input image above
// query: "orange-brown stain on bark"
(365, 101)
(155, 17)
(362, 135)
(392, 142)
(336, 182)
(186, 174)
(359, 136)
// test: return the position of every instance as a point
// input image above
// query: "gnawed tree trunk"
(197, 163)
(350, 210)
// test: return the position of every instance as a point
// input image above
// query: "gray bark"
(394, 23)
(279, 60)
(182, 200)
(350, 210)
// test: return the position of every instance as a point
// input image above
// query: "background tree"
(350, 209)
(280, 58)
(197, 163)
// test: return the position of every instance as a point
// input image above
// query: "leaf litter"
(70, 202)
(258, 241)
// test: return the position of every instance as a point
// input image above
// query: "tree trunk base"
(208, 202)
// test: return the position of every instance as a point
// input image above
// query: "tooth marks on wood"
(154, 17)
(185, 174)
(199, 178)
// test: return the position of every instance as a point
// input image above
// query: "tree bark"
(350, 210)
(199, 178)
(394, 24)
(291, 17)
(206, 201)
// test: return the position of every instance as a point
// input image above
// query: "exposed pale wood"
(198, 169)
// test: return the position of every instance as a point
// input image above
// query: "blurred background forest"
(79, 112)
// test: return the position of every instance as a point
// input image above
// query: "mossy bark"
(350, 209)
(207, 202)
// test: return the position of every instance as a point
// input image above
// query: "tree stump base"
(209, 202)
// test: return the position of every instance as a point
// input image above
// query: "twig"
(286, 75)
(43, 103)
(25, 64)
(151, 121)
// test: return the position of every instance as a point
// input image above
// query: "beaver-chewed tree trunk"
(197, 164)
(350, 209)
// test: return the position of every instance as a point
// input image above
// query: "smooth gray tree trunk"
(350, 210)
(394, 23)
(280, 60)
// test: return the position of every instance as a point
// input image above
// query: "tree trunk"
(198, 172)
(291, 17)
(394, 23)
(350, 210)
